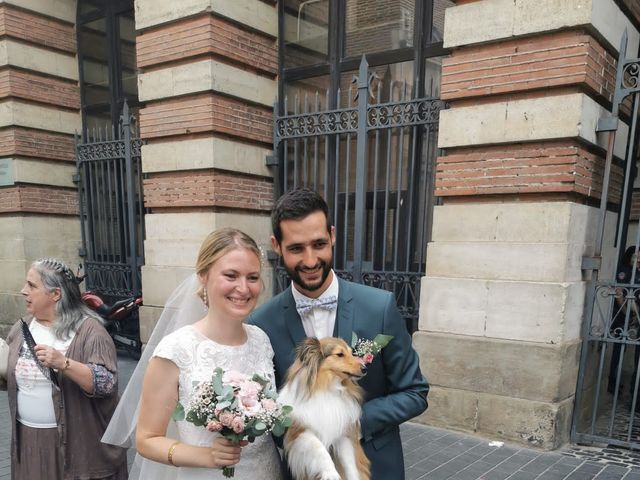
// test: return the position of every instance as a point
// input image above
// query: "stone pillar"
(503, 297)
(208, 79)
(39, 113)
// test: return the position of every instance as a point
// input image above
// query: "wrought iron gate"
(111, 207)
(605, 411)
(374, 164)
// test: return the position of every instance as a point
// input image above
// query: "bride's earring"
(205, 299)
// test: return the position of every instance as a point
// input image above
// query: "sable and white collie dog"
(324, 440)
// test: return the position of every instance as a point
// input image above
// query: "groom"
(395, 390)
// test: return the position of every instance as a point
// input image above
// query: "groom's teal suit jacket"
(395, 390)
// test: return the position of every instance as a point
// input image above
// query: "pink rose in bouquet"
(237, 424)
(236, 405)
(269, 405)
(233, 377)
(226, 418)
(248, 393)
(214, 426)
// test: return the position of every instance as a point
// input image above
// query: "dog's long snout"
(363, 368)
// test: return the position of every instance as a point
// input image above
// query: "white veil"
(183, 307)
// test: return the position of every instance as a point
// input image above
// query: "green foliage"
(278, 429)
(382, 340)
(260, 379)
(218, 388)
(178, 413)
(197, 420)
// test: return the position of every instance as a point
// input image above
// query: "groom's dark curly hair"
(296, 205)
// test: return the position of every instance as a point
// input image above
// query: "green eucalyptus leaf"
(278, 429)
(382, 340)
(354, 339)
(226, 392)
(260, 379)
(194, 418)
(217, 381)
(178, 413)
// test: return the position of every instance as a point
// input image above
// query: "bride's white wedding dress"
(197, 357)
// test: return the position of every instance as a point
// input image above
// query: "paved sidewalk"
(437, 454)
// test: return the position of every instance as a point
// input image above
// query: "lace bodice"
(196, 356)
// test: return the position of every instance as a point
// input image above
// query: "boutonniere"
(368, 349)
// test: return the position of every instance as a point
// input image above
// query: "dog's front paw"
(330, 476)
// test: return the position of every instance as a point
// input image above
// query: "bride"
(201, 328)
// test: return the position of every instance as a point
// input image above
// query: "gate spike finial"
(622, 52)
(363, 73)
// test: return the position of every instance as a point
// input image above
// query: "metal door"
(604, 411)
(374, 163)
(111, 207)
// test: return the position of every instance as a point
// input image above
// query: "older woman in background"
(62, 387)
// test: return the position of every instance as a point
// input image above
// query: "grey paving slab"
(585, 471)
(557, 471)
(541, 463)
(611, 472)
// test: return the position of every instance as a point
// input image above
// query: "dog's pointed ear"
(308, 349)
(310, 355)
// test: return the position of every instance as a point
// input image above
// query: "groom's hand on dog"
(225, 453)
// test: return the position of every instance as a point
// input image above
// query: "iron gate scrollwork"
(605, 411)
(374, 164)
(111, 207)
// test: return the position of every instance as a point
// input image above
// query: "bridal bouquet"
(237, 405)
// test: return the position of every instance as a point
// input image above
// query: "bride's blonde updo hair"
(217, 244)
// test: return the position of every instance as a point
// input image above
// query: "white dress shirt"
(319, 322)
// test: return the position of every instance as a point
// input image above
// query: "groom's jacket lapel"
(343, 327)
(292, 319)
(344, 316)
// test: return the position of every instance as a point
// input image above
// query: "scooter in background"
(120, 319)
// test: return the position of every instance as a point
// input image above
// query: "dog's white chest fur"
(328, 414)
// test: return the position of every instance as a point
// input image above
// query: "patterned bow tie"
(304, 306)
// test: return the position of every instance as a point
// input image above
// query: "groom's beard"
(294, 274)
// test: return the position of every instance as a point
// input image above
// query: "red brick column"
(39, 112)
(543, 65)
(208, 80)
(502, 301)
(27, 89)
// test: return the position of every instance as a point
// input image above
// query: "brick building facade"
(39, 104)
(520, 172)
(502, 306)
